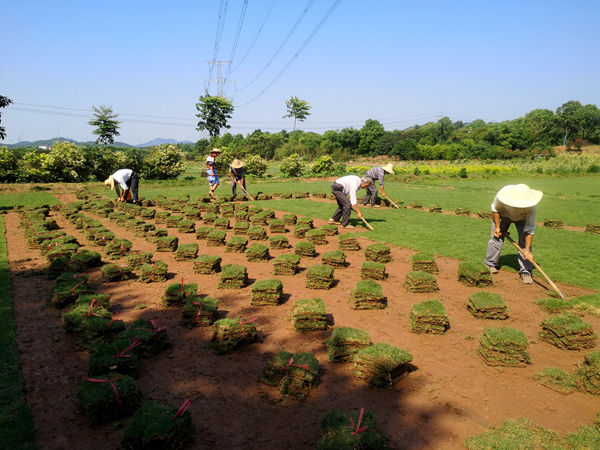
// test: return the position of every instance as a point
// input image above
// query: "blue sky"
(396, 61)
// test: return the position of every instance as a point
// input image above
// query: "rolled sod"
(257, 252)
(257, 233)
(367, 295)
(154, 272)
(241, 227)
(504, 346)
(487, 305)
(348, 242)
(166, 243)
(309, 315)
(178, 293)
(474, 274)
(381, 365)
(117, 272)
(232, 334)
(233, 276)
(300, 230)
(221, 223)
(286, 265)
(429, 316)
(153, 336)
(207, 264)
(64, 293)
(319, 277)
(378, 253)
(329, 229)
(290, 219)
(186, 226)
(568, 331)
(372, 271)
(236, 244)
(202, 232)
(279, 242)
(277, 226)
(424, 262)
(186, 252)
(199, 311)
(419, 282)
(305, 248)
(118, 356)
(359, 430)
(267, 292)
(216, 238)
(345, 342)
(336, 259)
(138, 259)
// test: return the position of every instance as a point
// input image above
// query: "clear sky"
(401, 62)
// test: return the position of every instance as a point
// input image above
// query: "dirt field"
(453, 394)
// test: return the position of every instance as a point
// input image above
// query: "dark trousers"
(234, 185)
(495, 245)
(133, 184)
(344, 208)
(371, 194)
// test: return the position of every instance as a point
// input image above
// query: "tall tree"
(568, 116)
(107, 126)
(4, 101)
(213, 112)
(298, 109)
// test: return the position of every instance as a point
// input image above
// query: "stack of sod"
(101, 238)
(186, 252)
(263, 196)
(555, 305)
(285, 195)
(91, 326)
(118, 356)
(419, 281)
(290, 219)
(329, 230)
(259, 218)
(378, 253)
(161, 217)
(348, 242)
(65, 292)
(295, 375)
(143, 229)
(209, 218)
(372, 271)
(222, 223)
(568, 332)
(172, 221)
(277, 226)
(242, 207)
(227, 211)
(336, 258)
(63, 250)
(84, 259)
(278, 241)
(233, 276)
(178, 293)
(154, 337)
(359, 431)
(157, 426)
(484, 214)
(192, 213)
(241, 216)
(286, 265)
(588, 375)
(319, 277)
(553, 223)
(203, 232)
(118, 248)
(132, 224)
(306, 221)
(429, 316)
(504, 346)
(474, 274)
(300, 230)
(367, 295)
(316, 236)
(241, 227)
(166, 243)
(276, 368)
(138, 259)
(153, 235)
(108, 398)
(309, 314)
(147, 213)
(236, 244)
(257, 252)
(424, 262)
(207, 264)
(592, 228)
(155, 272)
(462, 212)
(381, 365)
(267, 292)
(305, 248)
(117, 272)
(231, 334)
(345, 342)
(487, 305)
(186, 226)
(435, 209)
(199, 312)
(257, 233)
(216, 238)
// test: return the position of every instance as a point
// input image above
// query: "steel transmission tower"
(219, 79)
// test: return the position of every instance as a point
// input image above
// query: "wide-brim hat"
(237, 164)
(519, 196)
(215, 150)
(110, 182)
(389, 168)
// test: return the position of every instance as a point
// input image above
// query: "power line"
(219, 33)
(237, 36)
(269, 9)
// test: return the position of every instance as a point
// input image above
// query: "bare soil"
(453, 394)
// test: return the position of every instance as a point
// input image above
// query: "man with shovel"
(376, 173)
(343, 188)
(238, 175)
(514, 203)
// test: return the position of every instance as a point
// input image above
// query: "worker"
(125, 180)
(343, 188)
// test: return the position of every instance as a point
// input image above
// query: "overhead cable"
(269, 9)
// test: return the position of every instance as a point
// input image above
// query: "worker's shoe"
(349, 226)
(376, 206)
(493, 269)
(526, 277)
(333, 221)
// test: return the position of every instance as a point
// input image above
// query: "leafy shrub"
(8, 166)
(255, 165)
(323, 164)
(66, 162)
(462, 173)
(292, 166)
(164, 162)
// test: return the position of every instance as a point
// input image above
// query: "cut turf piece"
(276, 369)
(118, 356)
(520, 433)
(143, 229)
(462, 212)
(359, 430)
(222, 223)
(161, 217)
(232, 334)
(336, 259)
(153, 235)
(108, 398)
(419, 282)
(185, 252)
(504, 346)
(233, 276)
(154, 337)
(147, 213)
(207, 264)
(305, 220)
(72, 320)
(367, 295)
(192, 213)
(592, 228)
(556, 379)
(286, 265)
(319, 277)
(301, 375)
(236, 244)
(474, 274)
(309, 315)
(316, 237)
(568, 331)
(155, 426)
(435, 209)
(267, 292)
(588, 375)
(378, 253)
(152, 273)
(177, 293)
(381, 365)
(279, 242)
(241, 207)
(300, 230)
(102, 300)
(348, 242)
(373, 271)
(227, 211)
(555, 305)
(257, 233)
(487, 305)
(277, 226)
(329, 229)
(138, 259)
(62, 250)
(216, 238)
(305, 248)
(117, 272)
(259, 218)
(64, 293)
(554, 223)
(203, 232)
(257, 252)
(430, 317)
(166, 243)
(345, 342)
(209, 218)
(424, 262)
(199, 312)
(484, 214)
(91, 324)
(241, 216)
(186, 226)
(241, 227)
(173, 221)
(290, 219)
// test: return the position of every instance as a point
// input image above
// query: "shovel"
(243, 190)
(367, 224)
(554, 286)
(390, 200)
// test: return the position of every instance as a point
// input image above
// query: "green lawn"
(29, 198)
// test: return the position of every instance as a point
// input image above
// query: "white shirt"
(516, 214)
(351, 184)
(121, 176)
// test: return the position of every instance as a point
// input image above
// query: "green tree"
(165, 162)
(568, 116)
(370, 134)
(9, 166)
(213, 112)
(298, 109)
(292, 166)
(4, 101)
(106, 123)
(541, 124)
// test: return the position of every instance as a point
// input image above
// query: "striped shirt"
(376, 173)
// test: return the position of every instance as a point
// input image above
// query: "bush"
(8, 166)
(292, 166)
(255, 165)
(165, 162)
(322, 165)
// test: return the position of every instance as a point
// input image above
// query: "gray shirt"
(376, 173)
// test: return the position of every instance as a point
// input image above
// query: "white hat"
(519, 196)
(215, 150)
(389, 168)
(237, 164)
(110, 182)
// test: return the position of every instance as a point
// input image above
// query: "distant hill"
(49, 142)
(161, 141)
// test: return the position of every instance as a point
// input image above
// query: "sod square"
(276, 368)
(132, 224)
(138, 259)
(381, 365)
(345, 342)
(143, 229)
(301, 375)
(373, 271)
(209, 218)
(259, 218)
(90, 324)
(554, 223)
(177, 293)
(290, 219)
(199, 312)
(435, 209)
(430, 317)
(118, 356)
(186, 252)
(267, 292)
(216, 238)
(277, 226)
(173, 221)
(300, 230)
(588, 375)
(241, 207)
(161, 217)
(462, 212)
(367, 295)
(305, 248)
(147, 213)
(232, 334)
(424, 262)
(504, 346)
(242, 216)
(221, 223)
(153, 273)
(553, 305)
(474, 274)
(84, 259)
(241, 227)
(64, 293)
(233, 276)
(117, 272)
(336, 259)
(167, 244)
(279, 242)
(568, 331)
(338, 431)
(236, 244)
(154, 337)
(257, 252)
(203, 232)
(329, 229)
(378, 253)
(556, 379)
(316, 236)
(118, 248)
(227, 211)
(186, 226)
(207, 264)
(309, 315)
(592, 228)
(487, 305)
(319, 277)
(419, 282)
(286, 265)
(348, 242)
(153, 235)
(257, 233)
(192, 213)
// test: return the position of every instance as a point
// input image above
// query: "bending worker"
(238, 175)
(376, 173)
(128, 181)
(514, 203)
(211, 171)
(343, 188)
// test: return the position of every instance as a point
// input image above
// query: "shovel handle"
(367, 224)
